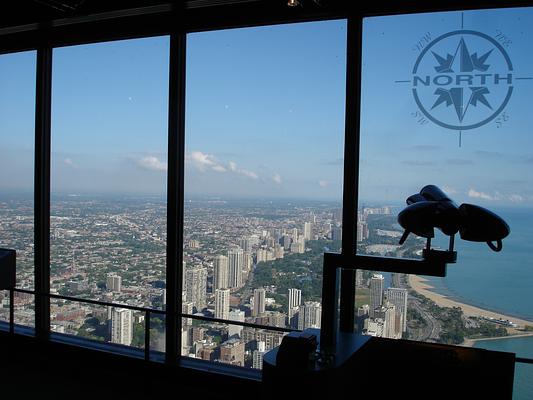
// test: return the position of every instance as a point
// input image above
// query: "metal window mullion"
(43, 108)
(351, 169)
(175, 192)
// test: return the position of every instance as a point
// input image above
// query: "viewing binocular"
(432, 208)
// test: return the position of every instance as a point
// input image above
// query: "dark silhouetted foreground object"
(297, 351)
(371, 367)
(8, 262)
(432, 208)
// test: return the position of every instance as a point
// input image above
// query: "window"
(17, 140)
(455, 89)
(263, 180)
(108, 187)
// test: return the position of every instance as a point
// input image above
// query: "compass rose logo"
(462, 80)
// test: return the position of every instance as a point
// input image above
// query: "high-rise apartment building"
(257, 361)
(389, 327)
(121, 326)
(235, 330)
(187, 307)
(259, 302)
(308, 230)
(195, 287)
(376, 293)
(309, 315)
(295, 300)
(235, 265)
(220, 272)
(114, 282)
(222, 301)
(398, 297)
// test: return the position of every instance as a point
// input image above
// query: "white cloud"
(204, 161)
(479, 195)
(69, 162)
(322, 184)
(277, 179)
(219, 168)
(232, 166)
(249, 174)
(152, 163)
(516, 198)
(450, 190)
(201, 160)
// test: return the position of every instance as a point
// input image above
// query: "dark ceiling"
(23, 12)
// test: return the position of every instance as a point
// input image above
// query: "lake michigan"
(500, 282)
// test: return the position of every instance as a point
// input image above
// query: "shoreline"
(422, 286)
(472, 342)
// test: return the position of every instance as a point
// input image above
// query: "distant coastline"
(421, 286)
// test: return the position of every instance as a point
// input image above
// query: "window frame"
(177, 22)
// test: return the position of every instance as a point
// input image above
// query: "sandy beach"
(420, 285)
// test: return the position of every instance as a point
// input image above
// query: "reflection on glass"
(109, 143)
(263, 177)
(227, 343)
(17, 139)
(455, 88)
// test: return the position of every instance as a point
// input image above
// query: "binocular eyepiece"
(432, 208)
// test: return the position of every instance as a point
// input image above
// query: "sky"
(265, 110)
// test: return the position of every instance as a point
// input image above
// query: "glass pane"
(109, 155)
(227, 343)
(263, 171)
(455, 88)
(17, 141)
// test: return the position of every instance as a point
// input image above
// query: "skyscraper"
(336, 233)
(257, 361)
(398, 297)
(195, 286)
(389, 326)
(113, 282)
(235, 315)
(309, 315)
(259, 302)
(308, 230)
(121, 326)
(235, 264)
(220, 272)
(222, 300)
(376, 292)
(187, 308)
(295, 300)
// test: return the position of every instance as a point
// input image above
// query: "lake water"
(501, 282)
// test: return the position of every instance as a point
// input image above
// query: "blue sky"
(399, 155)
(265, 114)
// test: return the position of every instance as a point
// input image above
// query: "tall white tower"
(222, 300)
(220, 272)
(235, 263)
(121, 326)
